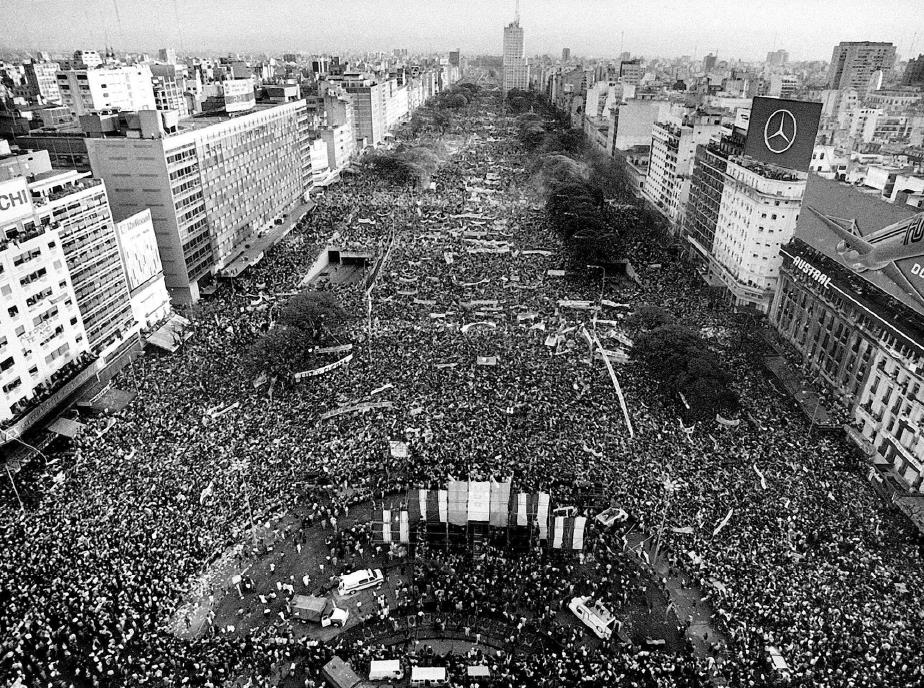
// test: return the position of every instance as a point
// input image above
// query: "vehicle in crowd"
(318, 610)
(424, 677)
(778, 663)
(351, 583)
(612, 516)
(385, 670)
(595, 616)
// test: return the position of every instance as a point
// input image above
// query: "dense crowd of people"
(807, 561)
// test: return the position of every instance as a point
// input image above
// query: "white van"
(385, 669)
(595, 616)
(360, 580)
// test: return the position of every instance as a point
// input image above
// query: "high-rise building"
(631, 72)
(777, 58)
(455, 58)
(167, 55)
(42, 78)
(565, 54)
(125, 88)
(673, 147)
(516, 66)
(368, 99)
(709, 62)
(169, 95)
(212, 184)
(914, 72)
(79, 207)
(853, 63)
(746, 195)
(42, 337)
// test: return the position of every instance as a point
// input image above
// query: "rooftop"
(836, 199)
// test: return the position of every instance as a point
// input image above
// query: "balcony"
(58, 388)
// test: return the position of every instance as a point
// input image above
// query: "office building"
(78, 205)
(42, 338)
(631, 72)
(746, 195)
(169, 95)
(87, 59)
(565, 54)
(631, 122)
(861, 334)
(515, 65)
(42, 79)
(455, 58)
(853, 64)
(709, 62)
(125, 88)
(914, 72)
(673, 148)
(212, 182)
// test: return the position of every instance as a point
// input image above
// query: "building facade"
(124, 88)
(42, 78)
(211, 186)
(853, 63)
(515, 65)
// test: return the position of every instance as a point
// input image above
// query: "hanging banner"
(577, 541)
(558, 531)
(500, 504)
(486, 360)
(323, 369)
(479, 501)
(458, 502)
(404, 530)
(334, 349)
(386, 525)
(522, 518)
(542, 515)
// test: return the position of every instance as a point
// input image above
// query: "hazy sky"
(735, 28)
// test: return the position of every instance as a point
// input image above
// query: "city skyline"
(591, 28)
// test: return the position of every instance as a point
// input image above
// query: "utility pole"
(15, 489)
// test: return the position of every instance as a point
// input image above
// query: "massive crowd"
(808, 562)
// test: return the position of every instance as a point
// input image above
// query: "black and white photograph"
(461, 343)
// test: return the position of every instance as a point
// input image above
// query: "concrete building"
(22, 163)
(87, 59)
(862, 334)
(169, 95)
(103, 88)
(78, 205)
(42, 79)
(144, 273)
(212, 184)
(758, 211)
(914, 72)
(515, 65)
(777, 58)
(42, 337)
(565, 54)
(631, 72)
(631, 122)
(167, 55)
(783, 85)
(673, 148)
(853, 64)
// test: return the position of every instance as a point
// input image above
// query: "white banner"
(542, 515)
(323, 369)
(558, 531)
(479, 501)
(578, 538)
(334, 349)
(398, 449)
(386, 526)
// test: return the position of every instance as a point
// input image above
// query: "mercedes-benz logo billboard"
(780, 131)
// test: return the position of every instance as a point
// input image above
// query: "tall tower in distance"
(854, 62)
(516, 66)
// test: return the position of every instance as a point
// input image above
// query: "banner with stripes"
(568, 533)
(479, 501)
(393, 526)
(404, 530)
(500, 504)
(458, 502)
(386, 525)
(429, 506)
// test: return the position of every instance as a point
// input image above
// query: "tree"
(316, 314)
(648, 317)
(279, 353)
(682, 360)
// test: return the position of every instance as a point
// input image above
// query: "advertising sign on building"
(15, 200)
(138, 245)
(782, 132)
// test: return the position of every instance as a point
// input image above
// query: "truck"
(318, 610)
(595, 616)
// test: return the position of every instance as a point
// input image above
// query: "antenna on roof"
(516, 16)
